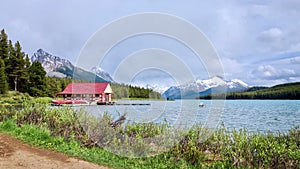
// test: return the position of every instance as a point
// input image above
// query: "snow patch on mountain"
(50, 62)
(237, 81)
(56, 74)
(156, 88)
(101, 73)
(192, 89)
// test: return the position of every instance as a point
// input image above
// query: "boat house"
(92, 92)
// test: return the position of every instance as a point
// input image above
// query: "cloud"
(290, 62)
(271, 73)
(271, 34)
(243, 32)
(232, 68)
(295, 60)
(272, 39)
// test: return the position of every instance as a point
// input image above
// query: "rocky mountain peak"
(200, 87)
(100, 72)
(59, 67)
(49, 61)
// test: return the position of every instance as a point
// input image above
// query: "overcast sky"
(257, 41)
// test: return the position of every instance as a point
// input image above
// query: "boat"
(201, 104)
(68, 102)
(170, 99)
(104, 103)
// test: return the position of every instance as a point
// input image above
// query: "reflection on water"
(255, 115)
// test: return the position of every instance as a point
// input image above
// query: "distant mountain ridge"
(101, 73)
(57, 67)
(290, 91)
(203, 87)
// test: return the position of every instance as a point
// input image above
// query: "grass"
(41, 137)
(42, 100)
(17, 98)
(13, 98)
(62, 130)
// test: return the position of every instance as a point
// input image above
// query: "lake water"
(255, 115)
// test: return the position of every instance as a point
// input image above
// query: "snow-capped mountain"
(50, 62)
(174, 92)
(202, 87)
(57, 67)
(101, 73)
(235, 83)
(156, 88)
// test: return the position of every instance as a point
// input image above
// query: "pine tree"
(24, 78)
(65, 82)
(17, 66)
(3, 78)
(4, 47)
(27, 62)
(53, 86)
(11, 56)
(37, 78)
(9, 67)
(4, 51)
(11, 50)
(4, 62)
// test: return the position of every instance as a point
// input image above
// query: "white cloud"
(243, 32)
(295, 60)
(232, 68)
(271, 73)
(271, 39)
(290, 62)
(271, 34)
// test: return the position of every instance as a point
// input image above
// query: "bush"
(223, 148)
(13, 98)
(42, 100)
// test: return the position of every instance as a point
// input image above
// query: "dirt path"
(15, 154)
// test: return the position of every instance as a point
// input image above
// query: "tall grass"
(95, 139)
(17, 98)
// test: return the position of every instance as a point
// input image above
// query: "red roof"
(85, 88)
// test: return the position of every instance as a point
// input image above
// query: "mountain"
(176, 92)
(289, 91)
(200, 87)
(230, 86)
(58, 67)
(101, 73)
(51, 63)
(155, 87)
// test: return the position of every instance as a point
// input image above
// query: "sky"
(257, 41)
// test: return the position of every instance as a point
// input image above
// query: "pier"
(123, 104)
(134, 104)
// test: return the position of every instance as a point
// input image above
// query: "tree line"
(128, 91)
(19, 74)
(284, 91)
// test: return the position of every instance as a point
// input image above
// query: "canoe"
(61, 102)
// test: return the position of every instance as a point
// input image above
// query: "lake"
(255, 115)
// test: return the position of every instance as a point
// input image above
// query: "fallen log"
(119, 121)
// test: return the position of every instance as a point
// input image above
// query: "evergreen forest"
(17, 73)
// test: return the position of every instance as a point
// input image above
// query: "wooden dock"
(134, 104)
(124, 104)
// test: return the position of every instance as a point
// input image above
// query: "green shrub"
(42, 100)
(199, 147)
